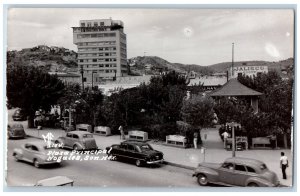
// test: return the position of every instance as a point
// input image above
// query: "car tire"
(138, 163)
(252, 184)
(202, 180)
(16, 157)
(36, 163)
(75, 147)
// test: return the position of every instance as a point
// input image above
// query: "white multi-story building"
(102, 53)
(252, 70)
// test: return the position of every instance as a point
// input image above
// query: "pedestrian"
(195, 139)
(122, 135)
(284, 163)
(225, 135)
(272, 140)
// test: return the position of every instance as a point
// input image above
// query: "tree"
(30, 89)
(198, 111)
(276, 103)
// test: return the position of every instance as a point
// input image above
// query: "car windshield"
(87, 136)
(145, 147)
(17, 126)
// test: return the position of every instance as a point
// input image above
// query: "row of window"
(100, 65)
(89, 24)
(100, 71)
(97, 54)
(97, 49)
(96, 60)
(100, 43)
(94, 35)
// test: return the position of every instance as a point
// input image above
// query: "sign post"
(233, 125)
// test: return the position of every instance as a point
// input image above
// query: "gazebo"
(233, 88)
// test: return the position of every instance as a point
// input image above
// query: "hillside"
(278, 66)
(154, 65)
(49, 58)
(65, 60)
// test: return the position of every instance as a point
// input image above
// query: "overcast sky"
(189, 36)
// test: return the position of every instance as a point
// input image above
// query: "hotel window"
(95, 24)
(82, 24)
(94, 60)
(89, 24)
(101, 23)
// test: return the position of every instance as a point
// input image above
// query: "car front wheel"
(138, 163)
(202, 180)
(36, 163)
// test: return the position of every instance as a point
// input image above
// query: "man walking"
(284, 163)
(225, 135)
(122, 135)
(195, 139)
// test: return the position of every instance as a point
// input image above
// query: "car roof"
(55, 181)
(245, 161)
(39, 144)
(80, 132)
(134, 142)
(15, 124)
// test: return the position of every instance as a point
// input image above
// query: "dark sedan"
(140, 152)
(15, 131)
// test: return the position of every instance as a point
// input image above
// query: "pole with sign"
(233, 125)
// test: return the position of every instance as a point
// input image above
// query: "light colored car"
(36, 153)
(236, 171)
(78, 140)
(55, 181)
(15, 131)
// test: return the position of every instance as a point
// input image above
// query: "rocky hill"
(49, 58)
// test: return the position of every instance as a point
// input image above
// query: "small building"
(209, 82)
(67, 77)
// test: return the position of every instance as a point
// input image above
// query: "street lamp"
(93, 79)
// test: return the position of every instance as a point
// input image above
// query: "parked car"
(140, 152)
(236, 171)
(18, 115)
(78, 140)
(15, 131)
(55, 181)
(36, 153)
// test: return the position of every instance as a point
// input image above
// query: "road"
(97, 173)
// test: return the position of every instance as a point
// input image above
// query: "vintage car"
(78, 140)
(36, 153)
(236, 171)
(15, 131)
(18, 115)
(140, 152)
(55, 181)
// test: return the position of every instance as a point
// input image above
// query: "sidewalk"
(190, 158)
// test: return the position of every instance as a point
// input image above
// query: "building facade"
(246, 70)
(102, 50)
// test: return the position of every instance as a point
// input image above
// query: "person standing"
(122, 135)
(273, 140)
(195, 139)
(225, 135)
(284, 163)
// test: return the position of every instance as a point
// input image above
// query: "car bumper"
(155, 162)
(17, 136)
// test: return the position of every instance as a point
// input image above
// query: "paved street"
(97, 173)
(114, 173)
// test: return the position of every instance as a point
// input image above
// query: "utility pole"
(82, 81)
(232, 60)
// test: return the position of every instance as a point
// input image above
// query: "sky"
(188, 36)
